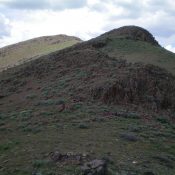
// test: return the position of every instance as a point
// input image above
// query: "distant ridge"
(50, 39)
(21, 52)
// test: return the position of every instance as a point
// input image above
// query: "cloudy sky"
(24, 19)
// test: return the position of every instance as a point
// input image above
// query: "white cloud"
(85, 19)
(4, 26)
(82, 23)
(170, 48)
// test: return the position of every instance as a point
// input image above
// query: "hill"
(81, 104)
(27, 50)
(135, 44)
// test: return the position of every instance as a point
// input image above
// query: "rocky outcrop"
(148, 86)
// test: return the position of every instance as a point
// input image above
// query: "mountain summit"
(134, 44)
(133, 33)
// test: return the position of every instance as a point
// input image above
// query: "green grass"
(5, 147)
(49, 102)
(138, 51)
(84, 131)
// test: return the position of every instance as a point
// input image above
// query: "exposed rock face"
(148, 86)
(135, 33)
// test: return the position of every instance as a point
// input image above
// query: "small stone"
(84, 155)
(95, 167)
(56, 156)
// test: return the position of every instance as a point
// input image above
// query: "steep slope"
(25, 51)
(82, 101)
(136, 44)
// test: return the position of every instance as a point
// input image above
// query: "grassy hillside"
(136, 45)
(25, 51)
(80, 104)
(139, 51)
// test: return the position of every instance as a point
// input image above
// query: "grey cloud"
(166, 41)
(162, 31)
(44, 4)
(160, 11)
(27, 4)
(135, 8)
(99, 7)
(70, 4)
(131, 9)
